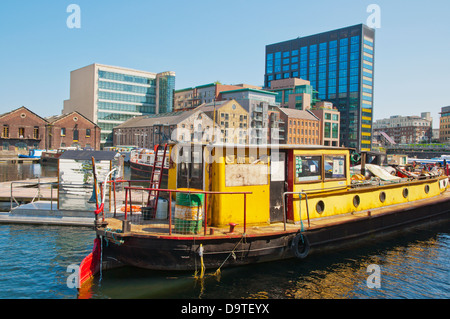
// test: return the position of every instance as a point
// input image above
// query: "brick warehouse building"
(23, 129)
(72, 129)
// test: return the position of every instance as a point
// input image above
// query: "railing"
(128, 212)
(299, 206)
(39, 194)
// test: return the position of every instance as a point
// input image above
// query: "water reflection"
(18, 172)
(413, 266)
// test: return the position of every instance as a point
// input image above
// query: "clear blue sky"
(205, 41)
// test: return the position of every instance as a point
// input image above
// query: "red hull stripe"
(90, 265)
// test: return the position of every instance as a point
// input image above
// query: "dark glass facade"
(166, 91)
(340, 66)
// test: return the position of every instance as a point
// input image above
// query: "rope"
(217, 273)
(101, 260)
(114, 231)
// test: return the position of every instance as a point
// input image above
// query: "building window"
(21, 132)
(88, 132)
(63, 131)
(5, 133)
(75, 135)
(36, 133)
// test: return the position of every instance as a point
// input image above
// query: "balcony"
(258, 109)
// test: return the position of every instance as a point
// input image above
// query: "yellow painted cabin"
(321, 174)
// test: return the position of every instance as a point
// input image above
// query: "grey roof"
(299, 114)
(209, 107)
(87, 155)
(150, 120)
(173, 118)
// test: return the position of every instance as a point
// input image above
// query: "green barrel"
(189, 212)
(190, 199)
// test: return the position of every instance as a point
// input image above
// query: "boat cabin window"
(190, 168)
(308, 168)
(334, 166)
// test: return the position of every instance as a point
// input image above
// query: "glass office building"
(166, 87)
(339, 65)
(109, 95)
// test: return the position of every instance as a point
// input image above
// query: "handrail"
(299, 205)
(170, 191)
(39, 195)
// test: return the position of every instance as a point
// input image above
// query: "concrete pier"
(47, 213)
(35, 201)
(25, 191)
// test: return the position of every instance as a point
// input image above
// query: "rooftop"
(298, 114)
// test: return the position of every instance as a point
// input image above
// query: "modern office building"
(108, 95)
(339, 65)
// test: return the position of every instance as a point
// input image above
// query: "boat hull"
(141, 170)
(181, 253)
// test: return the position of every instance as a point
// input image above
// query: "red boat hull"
(90, 265)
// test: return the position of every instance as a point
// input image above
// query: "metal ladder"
(156, 177)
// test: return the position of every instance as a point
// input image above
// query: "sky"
(208, 41)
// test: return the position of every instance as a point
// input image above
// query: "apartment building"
(231, 118)
(302, 127)
(444, 124)
(330, 123)
(406, 129)
(195, 96)
(257, 103)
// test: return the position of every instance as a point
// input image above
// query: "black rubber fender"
(300, 246)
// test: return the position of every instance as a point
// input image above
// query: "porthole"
(356, 201)
(382, 197)
(75, 119)
(405, 192)
(427, 189)
(320, 207)
(23, 115)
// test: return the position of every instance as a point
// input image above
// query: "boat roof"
(87, 155)
(266, 146)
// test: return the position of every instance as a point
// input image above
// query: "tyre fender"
(300, 246)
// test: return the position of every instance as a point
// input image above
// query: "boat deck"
(160, 228)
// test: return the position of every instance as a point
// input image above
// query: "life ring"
(300, 246)
(355, 157)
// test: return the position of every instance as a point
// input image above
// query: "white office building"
(109, 95)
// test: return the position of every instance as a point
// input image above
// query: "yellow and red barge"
(261, 203)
